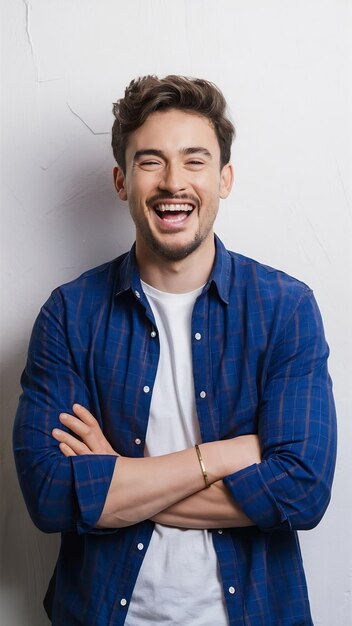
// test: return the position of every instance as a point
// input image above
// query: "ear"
(226, 180)
(120, 183)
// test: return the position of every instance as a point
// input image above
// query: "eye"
(194, 163)
(150, 164)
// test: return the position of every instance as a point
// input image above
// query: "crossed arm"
(288, 488)
(168, 489)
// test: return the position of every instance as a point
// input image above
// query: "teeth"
(173, 207)
(175, 219)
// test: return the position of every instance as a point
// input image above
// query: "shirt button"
(198, 336)
(140, 546)
(138, 441)
(232, 590)
(153, 334)
(219, 531)
(146, 389)
(123, 601)
(203, 394)
(137, 294)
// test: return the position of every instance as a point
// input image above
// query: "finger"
(91, 435)
(74, 423)
(78, 447)
(88, 429)
(66, 450)
(84, 415)
(83, 424)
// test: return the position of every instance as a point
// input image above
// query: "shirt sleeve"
(61, 494)
(290, 488)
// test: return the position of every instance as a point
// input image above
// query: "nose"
(172, 179)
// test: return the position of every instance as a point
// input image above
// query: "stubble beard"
(168, 252)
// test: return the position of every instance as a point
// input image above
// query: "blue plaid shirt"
(261, 362)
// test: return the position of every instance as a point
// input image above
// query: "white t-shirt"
(178, 583)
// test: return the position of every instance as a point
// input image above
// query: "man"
(177, 424)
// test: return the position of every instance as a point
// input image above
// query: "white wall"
(283, 67)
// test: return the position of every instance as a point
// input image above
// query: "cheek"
(209, 197)
(139, 191)
(208, 183)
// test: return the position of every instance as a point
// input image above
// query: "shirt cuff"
(249, 488)
(92, 475)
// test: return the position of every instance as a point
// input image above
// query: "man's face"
(173, 183)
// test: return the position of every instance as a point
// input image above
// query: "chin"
(176, 252)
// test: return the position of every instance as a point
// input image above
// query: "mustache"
(171, 196)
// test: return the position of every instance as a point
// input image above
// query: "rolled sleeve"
(254, 496)
(92, 476)
(61, 494)
(290, 488)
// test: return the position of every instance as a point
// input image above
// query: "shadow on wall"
(88, 224)
(27, 555)
(87, 227)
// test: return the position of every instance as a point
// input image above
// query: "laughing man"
(177, 425)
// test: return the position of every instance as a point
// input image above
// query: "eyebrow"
(149, 152)
(159, 153)
(197, 150)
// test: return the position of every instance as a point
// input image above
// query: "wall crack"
(28, 6)
(94, 132)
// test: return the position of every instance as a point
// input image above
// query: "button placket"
(206, 396)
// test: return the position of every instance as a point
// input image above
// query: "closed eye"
(194, 163)
(148, 159)
(148, 165)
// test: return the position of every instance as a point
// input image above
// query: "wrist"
(228, 456)
(202, 466)
(215, 460)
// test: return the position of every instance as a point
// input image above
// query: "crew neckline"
(153, 291)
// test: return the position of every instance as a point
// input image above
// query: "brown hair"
(148, 94)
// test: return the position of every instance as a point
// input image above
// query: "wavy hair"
(148, 94)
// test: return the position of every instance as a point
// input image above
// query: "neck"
(176, 276)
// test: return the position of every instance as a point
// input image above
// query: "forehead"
(174, 130)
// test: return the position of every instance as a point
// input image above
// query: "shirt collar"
(128, 275)
(220, 274)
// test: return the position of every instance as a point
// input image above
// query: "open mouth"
(174, 213)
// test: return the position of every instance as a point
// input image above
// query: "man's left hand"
(89, 437)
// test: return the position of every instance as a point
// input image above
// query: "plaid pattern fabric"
(259, 367)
